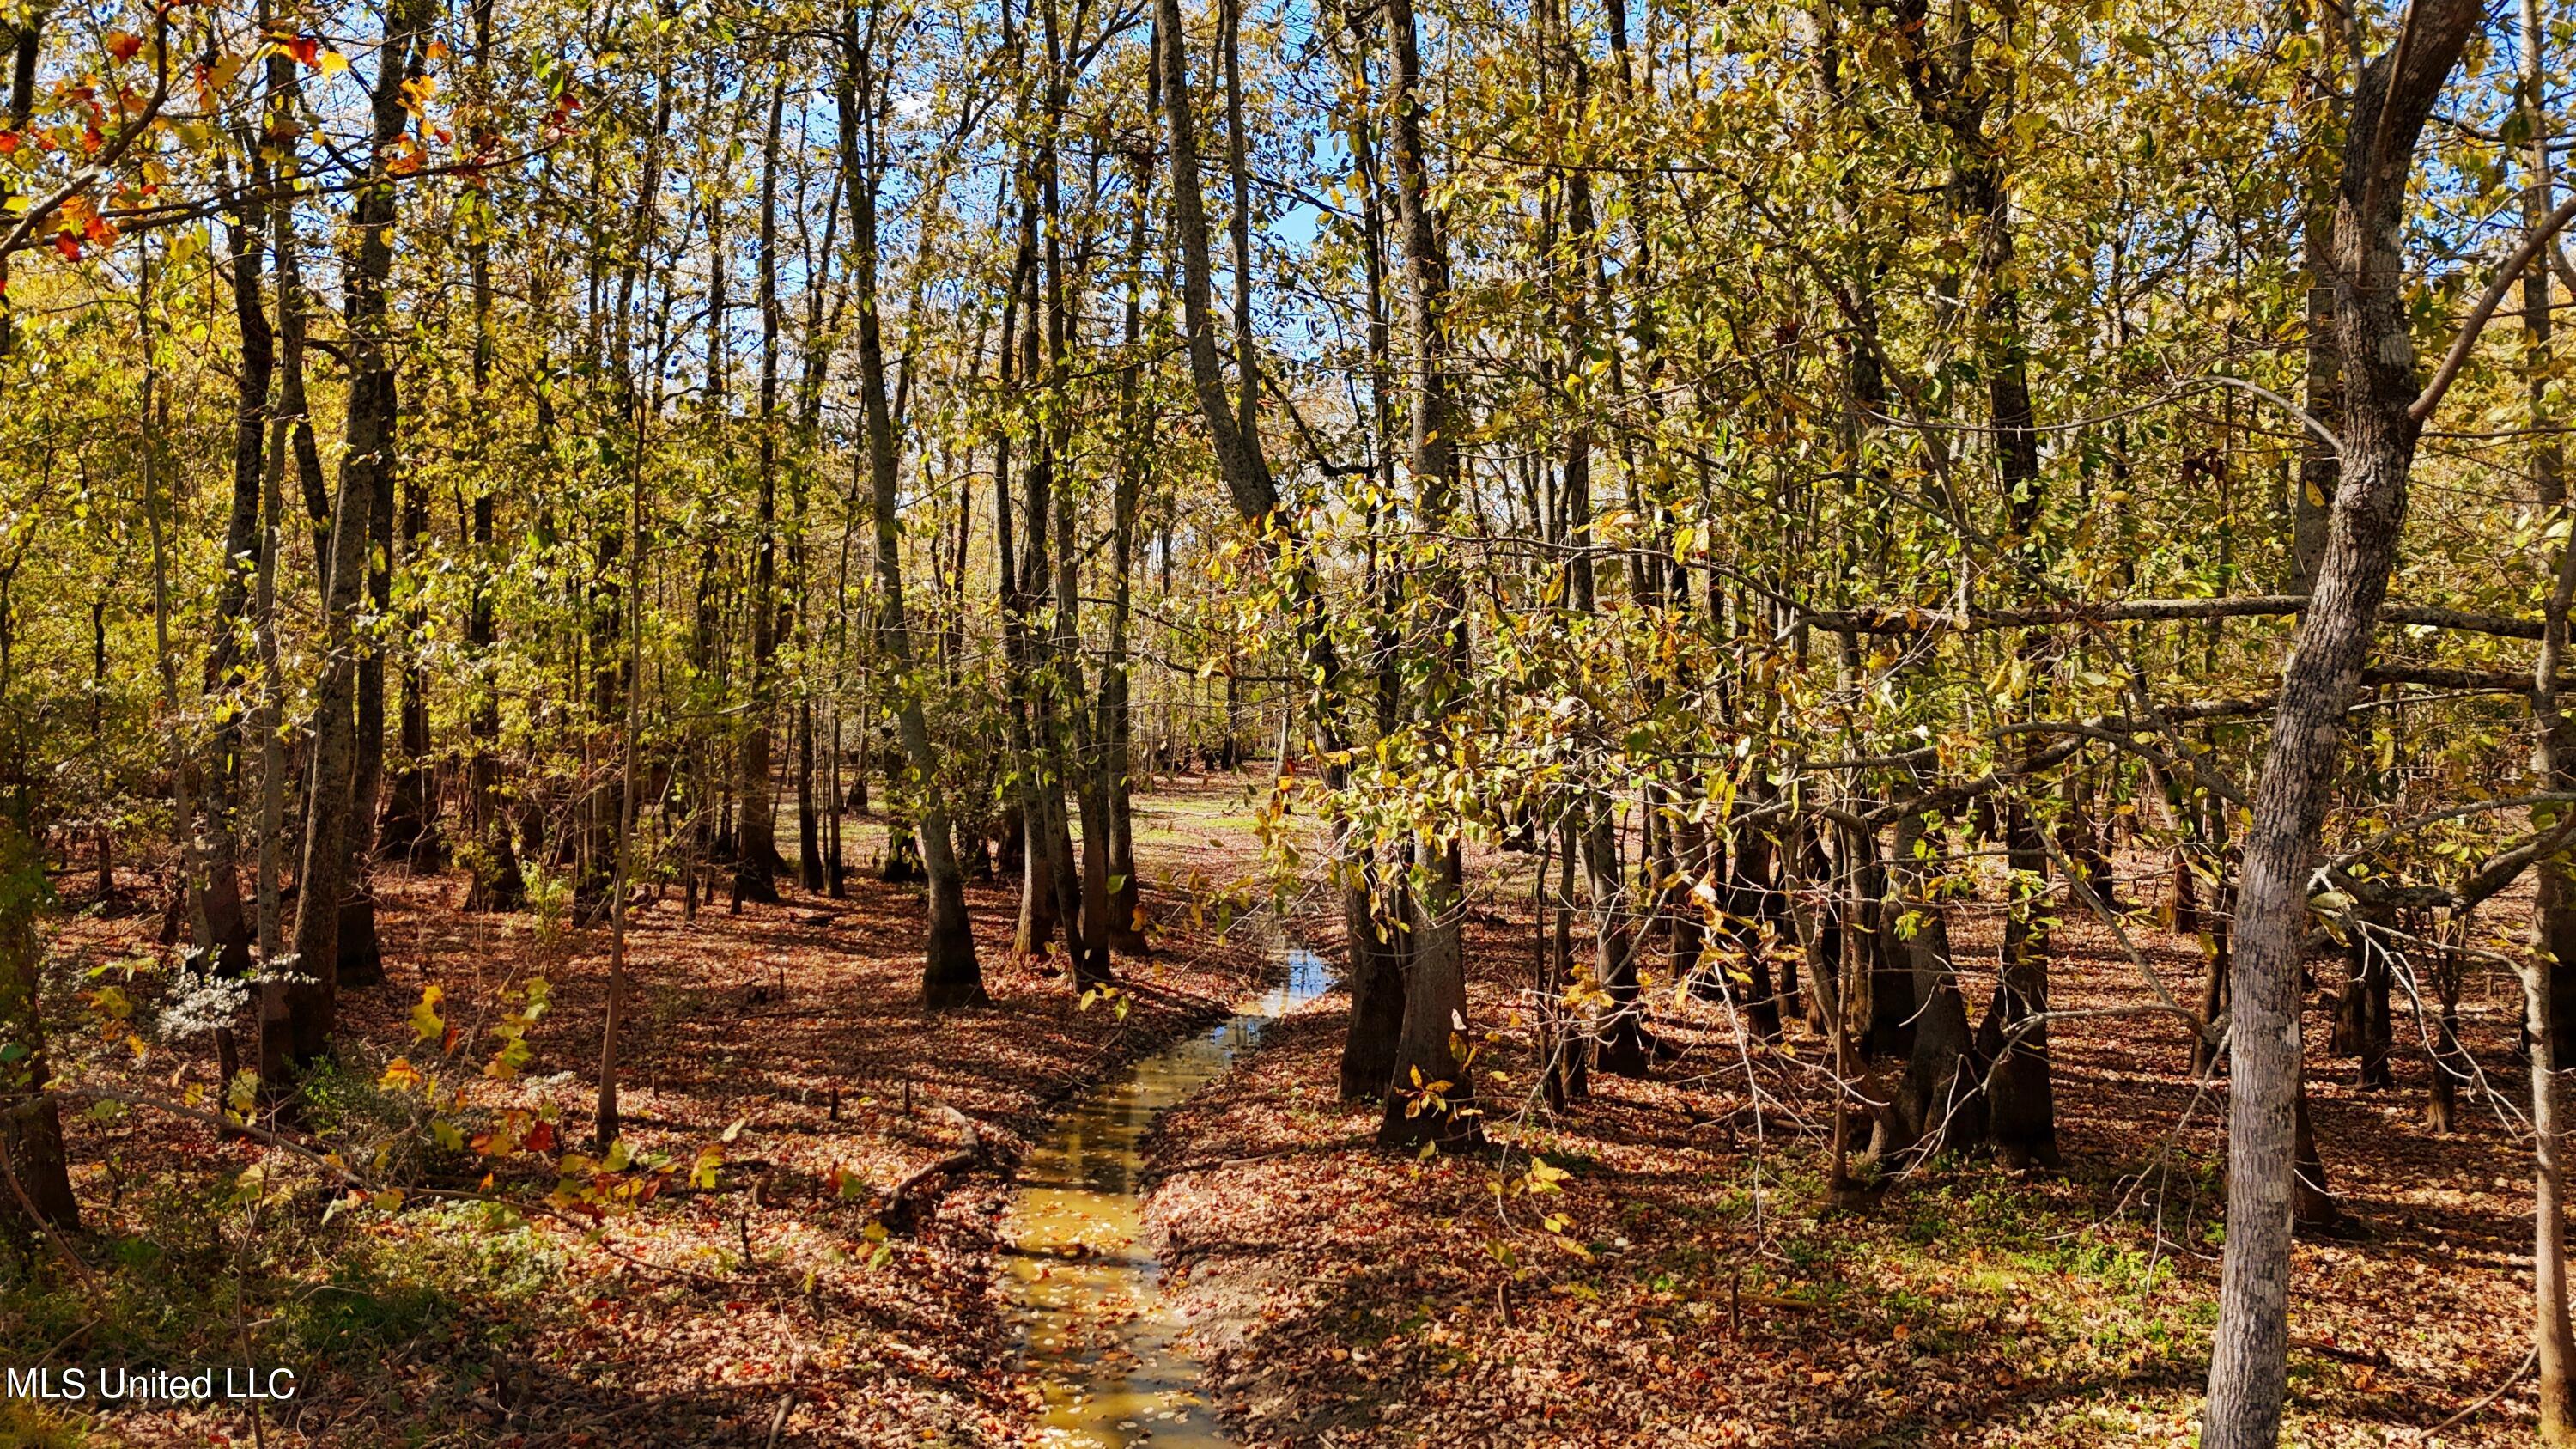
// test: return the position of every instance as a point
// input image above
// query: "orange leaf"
(123, 45)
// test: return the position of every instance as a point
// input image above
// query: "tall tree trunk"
(1024, 576)
(756, 859)
(373, 393)
(1083, 889)
(950, 976)
(1433, 1044)
(1054, 879)
(2022, 1103)
(706, 649)
(269, 720)
(290, 433)
(1373, 905)
(154, 420)
(2248, 1362)
(496, 885)
(1233, 429)
(297, 1013)
(236, 624)
(1115, 729)
(1622, 1047)
(1954, 92)
(2549, 977)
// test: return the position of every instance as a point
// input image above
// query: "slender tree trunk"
(268, 721)
(1125, 923)
(297, 1000)
(497, 885)
(1373, 906)
(24, 35)
(2549, 977)
(2248, 1362)
(1024, 574)
(950, 977)
(373, 391)
(297, 1011)
(1433, 1045)
(605, 1117)
(245, 556)
(411, 831)
(288, 422)
(1233, 429)
(1054, 880)
(2021, 1094)
(102, 834)
(1082, 891)
(756, 859)
(186, 837)
(2312, 487)
(361, 953)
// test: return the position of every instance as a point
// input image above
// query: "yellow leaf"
(426, 1023)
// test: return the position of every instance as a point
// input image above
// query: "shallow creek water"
(1095, 1325)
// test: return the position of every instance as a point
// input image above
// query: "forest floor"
(1701, 1293)
(768, 1310)
(1696, 1293)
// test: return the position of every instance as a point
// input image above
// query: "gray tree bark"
(2248, 1367)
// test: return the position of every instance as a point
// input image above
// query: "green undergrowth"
(192, 1273)
(1958, 1260)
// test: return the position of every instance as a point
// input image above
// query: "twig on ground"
(2493, 1394)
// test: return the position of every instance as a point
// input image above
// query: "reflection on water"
(1089, 1296)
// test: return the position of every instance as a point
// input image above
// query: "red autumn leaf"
(69, 245)
(123, 45)
(541, 1138)
(8, 142)
(306, 49)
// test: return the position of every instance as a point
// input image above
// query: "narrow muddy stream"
(1088, 1295)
